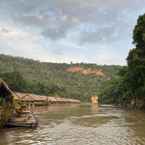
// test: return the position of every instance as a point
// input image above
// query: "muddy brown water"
(80, 125)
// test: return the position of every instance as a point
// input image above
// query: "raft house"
(32, 100)
(10, 114)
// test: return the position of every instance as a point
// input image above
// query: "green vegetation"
(129, 88)
(27, 75)
(119, 85)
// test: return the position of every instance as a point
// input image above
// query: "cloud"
(75, 30)
(55, 19)
(18, 42)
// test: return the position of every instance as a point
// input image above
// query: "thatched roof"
(28, 97)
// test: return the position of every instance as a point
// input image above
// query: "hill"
(79, 81)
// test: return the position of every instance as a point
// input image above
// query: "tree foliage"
(131, 83)
(52, 79)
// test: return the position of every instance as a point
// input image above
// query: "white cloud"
(21, 43)
(93, 31)
(17, 42)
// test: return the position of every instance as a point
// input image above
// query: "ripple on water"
(81, 126)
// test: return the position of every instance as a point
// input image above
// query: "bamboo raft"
(24, 119)
(11, 101)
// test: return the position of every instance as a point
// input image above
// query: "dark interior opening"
(5, 95)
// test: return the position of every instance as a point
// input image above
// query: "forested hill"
(78, 81)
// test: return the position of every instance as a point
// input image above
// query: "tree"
(15, 80)
(136, 59)
(139, 33)
(131, 84)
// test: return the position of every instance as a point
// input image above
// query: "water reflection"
(94, 108)
(82, 124)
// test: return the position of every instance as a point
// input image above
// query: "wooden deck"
(24, 119)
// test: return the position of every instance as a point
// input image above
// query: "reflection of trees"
(135, 123)
(4, 138)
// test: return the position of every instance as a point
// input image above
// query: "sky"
(91, 31)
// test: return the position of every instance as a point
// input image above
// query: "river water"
(80, 125)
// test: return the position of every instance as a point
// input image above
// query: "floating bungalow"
(32, 100)
(6, 103)
(8, 110)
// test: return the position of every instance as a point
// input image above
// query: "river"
(80, 125)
